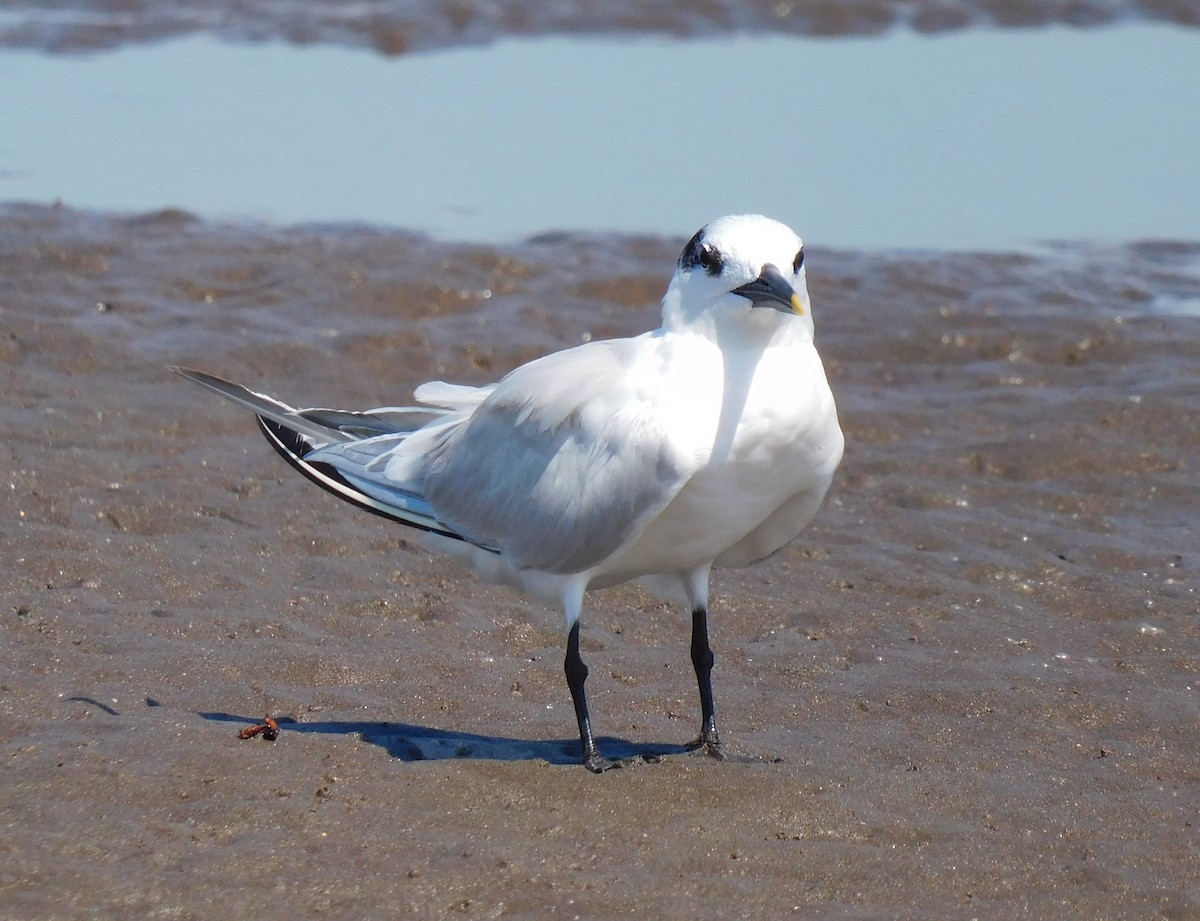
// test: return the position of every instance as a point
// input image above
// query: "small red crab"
(268, 727)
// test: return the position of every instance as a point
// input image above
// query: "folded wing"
(557, 467)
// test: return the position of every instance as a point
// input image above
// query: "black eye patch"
(701, 254)
(798, 262)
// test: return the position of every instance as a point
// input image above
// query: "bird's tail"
(296, 433)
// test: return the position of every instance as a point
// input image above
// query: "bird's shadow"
(410, 742)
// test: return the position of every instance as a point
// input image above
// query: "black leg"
(702, 659)
(577, 673)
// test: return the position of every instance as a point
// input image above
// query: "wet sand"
(968, 690)
(73, 26)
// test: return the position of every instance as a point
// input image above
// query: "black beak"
(772, 289)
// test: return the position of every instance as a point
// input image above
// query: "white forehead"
(753, 240)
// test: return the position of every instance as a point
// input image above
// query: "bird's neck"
(758, 330)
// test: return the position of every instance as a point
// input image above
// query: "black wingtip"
(191, 374)
(288, 443)
(292, 447)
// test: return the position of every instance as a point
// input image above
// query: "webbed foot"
(707, 745)
(598, 764)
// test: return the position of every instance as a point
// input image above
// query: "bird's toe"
(710, 747)
(598, 764)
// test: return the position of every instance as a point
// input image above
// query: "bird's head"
(742, 266)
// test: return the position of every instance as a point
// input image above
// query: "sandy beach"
(968, 690)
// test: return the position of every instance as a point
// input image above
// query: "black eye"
(711, 260)
(701, 254)
(798, 262)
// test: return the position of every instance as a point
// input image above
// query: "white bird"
(709, 441)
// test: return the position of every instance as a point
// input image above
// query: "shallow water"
(971, 140)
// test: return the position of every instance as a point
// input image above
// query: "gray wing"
(304, 436)
(322, 426)
(562, 463)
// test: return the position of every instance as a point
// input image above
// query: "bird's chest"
(768, 428)
(765, 454)
(770, 435)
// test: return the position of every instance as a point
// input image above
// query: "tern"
(710, 441)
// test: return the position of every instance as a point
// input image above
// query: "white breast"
(767, 465)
